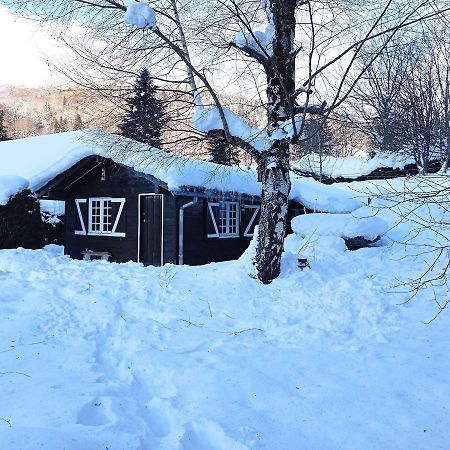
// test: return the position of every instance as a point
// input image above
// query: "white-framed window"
(225, 219)
(101, 217)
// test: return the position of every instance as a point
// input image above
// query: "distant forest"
(34, 111)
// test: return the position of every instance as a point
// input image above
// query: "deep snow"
(98, 355)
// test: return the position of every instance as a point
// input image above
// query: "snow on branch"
(258, 44)
(206, 119)
(302, 89)
(141, 15)
(318, 109)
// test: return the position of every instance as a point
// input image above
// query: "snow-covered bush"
(20, 221)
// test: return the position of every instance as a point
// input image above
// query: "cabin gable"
(102, 209)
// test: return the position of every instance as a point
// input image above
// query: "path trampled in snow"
(97, 355)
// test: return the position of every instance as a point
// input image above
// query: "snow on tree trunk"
(274, 212)
(274, 166)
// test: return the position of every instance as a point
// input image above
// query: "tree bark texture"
(274, 164)
(274, 212)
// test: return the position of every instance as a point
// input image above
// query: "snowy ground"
(97, 355)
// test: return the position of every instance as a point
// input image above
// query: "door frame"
(139, 225)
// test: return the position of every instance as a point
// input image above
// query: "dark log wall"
(119, 183)
(198, 248)
(170, 229)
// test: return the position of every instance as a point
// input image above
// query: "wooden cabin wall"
(170, 229)
(198, 248)
(119, 183)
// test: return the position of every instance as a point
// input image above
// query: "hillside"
(34, 111)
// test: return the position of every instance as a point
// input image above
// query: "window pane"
(106, 226)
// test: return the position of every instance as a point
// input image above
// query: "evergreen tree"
(77, 122)
(145, 116)
(58, 126)
(221, 151)
(3, 136)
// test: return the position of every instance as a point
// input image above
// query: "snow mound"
(140, 15)
(11, 185)
(341, 225)
(207, 435)
(324, 198)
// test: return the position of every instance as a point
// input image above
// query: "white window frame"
(252, 219)
(217, 232)
(102, 200)
(78, 201)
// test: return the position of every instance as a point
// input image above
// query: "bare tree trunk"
(274, 212)
(274, 164)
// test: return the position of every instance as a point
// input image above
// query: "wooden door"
(151, 229)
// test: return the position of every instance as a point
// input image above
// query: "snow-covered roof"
(350, 166)
(10, 185)
(39, 159)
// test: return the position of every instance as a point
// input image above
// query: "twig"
(209, 307)
(198, 325)
(8, 421)
(17, 373)
(235, 333)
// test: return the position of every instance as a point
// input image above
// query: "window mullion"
(102, 206)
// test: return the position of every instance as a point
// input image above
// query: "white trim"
(218, 234)
(181, 229)
(122, 203)
(139, 226)
(252, 219)
(213, 218)
(81, 232)
(102, 200)
(227, 223)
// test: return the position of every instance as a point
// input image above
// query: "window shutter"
(118, 215)
(212, 220)
(250, 218)
(81, 212)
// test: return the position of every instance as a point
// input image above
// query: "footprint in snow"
(207, 435)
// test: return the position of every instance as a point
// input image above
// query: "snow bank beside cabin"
(342, 225)
(350, 166)
(11, 185)
(325, 198)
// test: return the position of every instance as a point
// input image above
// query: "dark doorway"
(150, 236)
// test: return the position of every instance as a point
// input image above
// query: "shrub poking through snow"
(52, 229)
(20, 222)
